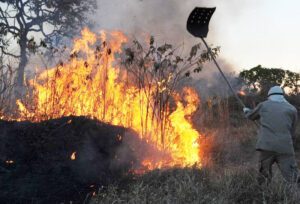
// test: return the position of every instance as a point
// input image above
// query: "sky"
(249, 32)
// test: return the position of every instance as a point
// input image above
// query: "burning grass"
(135, 88)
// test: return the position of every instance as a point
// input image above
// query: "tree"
(292, 81)
(260, 79)
(47, 19)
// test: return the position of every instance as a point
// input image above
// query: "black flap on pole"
(198, 21)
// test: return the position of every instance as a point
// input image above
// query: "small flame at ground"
(73, 156)
(119, 137)
(9, 162)
(242, 93)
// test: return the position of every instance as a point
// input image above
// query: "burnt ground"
(35, 163)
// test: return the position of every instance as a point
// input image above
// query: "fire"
(73, 156)
(119, 137)
(242, 93)
(93, 84)
(9, 162)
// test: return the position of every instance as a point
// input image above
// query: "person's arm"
(254, 114)
(294, 126)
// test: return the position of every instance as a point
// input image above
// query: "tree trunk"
(23, 61)
(19, 80)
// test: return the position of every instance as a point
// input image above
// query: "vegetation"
(6, 86)
(260, 79)
(235, 185)
(229, 164)
(230, 177)
(21, 19)
(228, 153)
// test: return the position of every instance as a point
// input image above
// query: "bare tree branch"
(9, 54)
(21, 17)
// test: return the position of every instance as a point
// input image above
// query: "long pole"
(222, 73)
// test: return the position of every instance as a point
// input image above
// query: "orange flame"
(73, 156)
(242, 93)
(94, 85)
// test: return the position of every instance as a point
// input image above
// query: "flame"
(242, 93)
(119, 138)
(73, 156)
(9, 162)
(94, 85)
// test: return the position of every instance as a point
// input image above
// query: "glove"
(246, 110)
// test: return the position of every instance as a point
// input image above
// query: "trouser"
(286, 163)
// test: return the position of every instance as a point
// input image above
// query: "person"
(276, 135)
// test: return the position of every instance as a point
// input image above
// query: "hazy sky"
(250, 32)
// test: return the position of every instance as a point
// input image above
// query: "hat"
(275, 90)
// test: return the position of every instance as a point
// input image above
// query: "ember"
(94, 85)
(242, 93)
(9, 162)
(73, 156)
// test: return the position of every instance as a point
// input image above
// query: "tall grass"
(191, 185)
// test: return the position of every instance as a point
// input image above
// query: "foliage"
(20, 20)
(6, 85)
(292, 81)
(260, 79)
(162, 65)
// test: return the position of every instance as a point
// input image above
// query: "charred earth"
(60, 160)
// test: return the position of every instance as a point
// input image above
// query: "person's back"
(278, 120)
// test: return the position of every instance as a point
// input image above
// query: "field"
(229, 176)
(209, 144)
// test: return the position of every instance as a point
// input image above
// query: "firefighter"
(276, 136)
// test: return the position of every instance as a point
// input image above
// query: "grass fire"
(92, 84)
(106, 102)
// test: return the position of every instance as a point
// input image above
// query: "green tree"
(292, 81)
(259, 79)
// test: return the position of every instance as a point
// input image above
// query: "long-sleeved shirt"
(277, 126)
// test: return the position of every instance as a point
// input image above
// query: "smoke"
(163, 19)
(166, 21)
(209, 82)
(137, 150)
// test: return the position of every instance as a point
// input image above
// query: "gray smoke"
(209, 81)
(166, 21)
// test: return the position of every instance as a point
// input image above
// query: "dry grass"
(190, 185)
(228, 177)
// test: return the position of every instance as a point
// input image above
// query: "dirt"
(36, 164)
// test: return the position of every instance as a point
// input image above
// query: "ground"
(229, 176)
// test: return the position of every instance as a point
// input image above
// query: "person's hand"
(246, 110)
